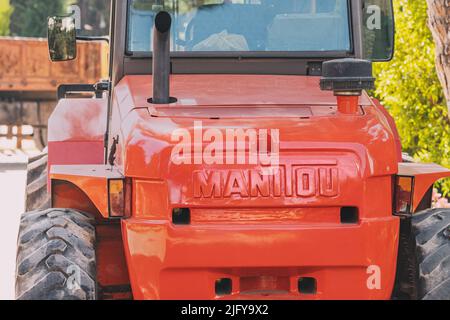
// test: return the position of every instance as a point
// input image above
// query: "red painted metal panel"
(78, 120)
(393, 127)
(79, 152)
(282, 228)
(173, 262)
(76, 132)
(425, 175)
(242, 230)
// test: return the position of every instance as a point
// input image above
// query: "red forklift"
(233, 153)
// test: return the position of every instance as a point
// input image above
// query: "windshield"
(243, 25)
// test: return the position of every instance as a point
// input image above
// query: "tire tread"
(431, 229)
(37, 196)
(50, 242)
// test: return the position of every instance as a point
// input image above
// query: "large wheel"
(37, 197)
(424, 256)
(56, 256)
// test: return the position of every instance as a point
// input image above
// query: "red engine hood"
(305, 116)
(230, 90)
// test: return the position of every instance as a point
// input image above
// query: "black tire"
(56, 256)
(37, 197)
(423, 270)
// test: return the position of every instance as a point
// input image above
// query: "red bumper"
(263, 261)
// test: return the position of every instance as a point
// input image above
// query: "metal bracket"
(97, 89)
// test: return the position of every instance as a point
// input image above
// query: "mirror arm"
(97, 89)
(87, 38)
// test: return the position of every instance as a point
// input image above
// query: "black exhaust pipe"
(161, 59)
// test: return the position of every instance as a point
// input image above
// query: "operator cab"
(252, 27)
(266, 25)
(241, 36)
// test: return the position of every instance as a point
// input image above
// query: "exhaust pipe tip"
(163, 22)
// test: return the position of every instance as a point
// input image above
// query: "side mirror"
(62, 38)
(378, 29)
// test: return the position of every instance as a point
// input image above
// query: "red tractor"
(257, 167)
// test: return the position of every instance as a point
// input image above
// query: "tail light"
(403, 195)
(119, 198)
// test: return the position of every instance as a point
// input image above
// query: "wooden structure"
(29, 81)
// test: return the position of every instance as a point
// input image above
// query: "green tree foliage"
(95, 15)
(5, 13)
(409, 87)
(30, 17)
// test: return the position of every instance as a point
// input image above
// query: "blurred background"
(25, 18)
(28, 81)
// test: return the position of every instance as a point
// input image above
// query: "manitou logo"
(226, 147)
(302, 182)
